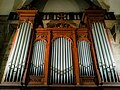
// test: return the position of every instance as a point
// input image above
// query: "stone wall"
(5, 42)
(115, 42)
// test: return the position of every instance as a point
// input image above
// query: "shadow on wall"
(114, 35)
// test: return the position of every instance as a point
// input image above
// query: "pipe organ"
(104, 54)
(85, 59)
(61, 69)
(17, 58)
(61, 55)
(38, 55)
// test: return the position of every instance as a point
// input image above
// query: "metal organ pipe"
(85, 59)
(111, 58)
(11, 59)
(61, 62)
(102, 58)
(104, 53)
(98, 51)
(17, 58)
(38, 55)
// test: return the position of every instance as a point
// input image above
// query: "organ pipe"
(85, 59)
(38, 55)
(104, 54)
(61, 62)
(17, 58)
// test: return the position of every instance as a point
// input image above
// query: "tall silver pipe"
(61, 54)
(55, 52)
(54, 67)
(55, 70)
(67, 64)
(53, 62)
(98, 52)
(84, 68)
(40, 59)
(85, 65)
(57, 60)
(51, 67)
(36, 60)
(68, 61)
(87, 60)
(71, 65)
(44, 56)
(21, 48)
(80, 58)
(64, 75)
(15, 53)
(105, 55)
(108, 52)
(103, 65)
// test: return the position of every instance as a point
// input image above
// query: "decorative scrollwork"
(82, 35)
(41, 35)
(36, 79)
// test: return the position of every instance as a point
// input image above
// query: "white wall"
(115, 6)
(6, 6)
(64, 6)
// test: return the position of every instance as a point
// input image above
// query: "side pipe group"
(104, 54)
(85, 59)
(61, 69)
(38, 55)
(16, 61)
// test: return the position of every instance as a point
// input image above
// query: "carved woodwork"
(94, 16)
(73, 35)
(26, 15)
(54, 31)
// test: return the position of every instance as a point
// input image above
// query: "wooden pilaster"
(28, 60)
(27, 15)
(75, 60)
(47, 60)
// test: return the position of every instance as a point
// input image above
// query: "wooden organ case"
(61, 55)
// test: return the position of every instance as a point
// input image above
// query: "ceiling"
(7, 6)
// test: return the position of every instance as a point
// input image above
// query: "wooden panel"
(26, 15)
